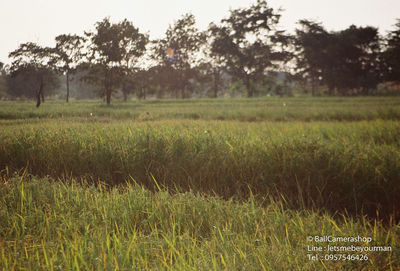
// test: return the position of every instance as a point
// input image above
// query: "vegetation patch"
(48, 224)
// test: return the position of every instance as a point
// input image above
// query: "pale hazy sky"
(41, 20)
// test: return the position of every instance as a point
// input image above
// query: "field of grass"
(241, 109)
(203, 184)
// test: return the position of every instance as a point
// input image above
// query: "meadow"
(198, 184)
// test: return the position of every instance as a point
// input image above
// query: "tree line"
(244, 49)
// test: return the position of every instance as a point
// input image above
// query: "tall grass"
(337, 166)
(46, 224)
(198, 184)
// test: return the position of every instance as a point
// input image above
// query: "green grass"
(51, 225)
(310, 164)
(243, 109)
(231, 184)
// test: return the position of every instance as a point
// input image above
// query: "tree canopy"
(249, 42)
(114, 48)
(343, 60)
(184, 40)
(392, 55)
(245, 53)
(67, 55)
(33, 65)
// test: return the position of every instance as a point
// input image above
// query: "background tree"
(352, 60)
(68, 53)
(249, 43)
(310, 42)
(33, 66)
(211, 69)
(392, 55)
(3, 81)
(343, 61)
(136, 81)
(185, 41)
(113, 47)
(134, 43)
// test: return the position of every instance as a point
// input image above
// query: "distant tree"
(80, 88)
(135, 81)
(310, 43)
(93, 74)
(249, 43)
(113, 48)
(212, 67)
(68, 53)
(203, 78)
(343, 60)
(3, 81)
(353, 61)
(184, 39)
(135, 46)
(33, 65)
(159, 80)
(143, 82)
(392, 55)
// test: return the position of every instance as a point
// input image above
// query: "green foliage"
(46, 224)
(68, 53)
(392, 55)
(33, 71)
(249, 43)
(356, 160)
(239, 109)
(114, 49)
(343, 60)
(172, 184)
(3, 82)
(26, 81)
(185, 39)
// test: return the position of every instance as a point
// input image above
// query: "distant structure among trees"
(244, 54)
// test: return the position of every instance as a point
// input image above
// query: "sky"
(41, 21)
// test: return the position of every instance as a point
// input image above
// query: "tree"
(310, 41)
(392, 55)
(113, 49)
(184, 39)
(138, 81)
(68, 53)
(211, 69)
(3, 81)
(249, 43)
(362, 58)
(135, 46)
(343, 60)
(34, 64)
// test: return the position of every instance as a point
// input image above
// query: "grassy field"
(261, 109)
(226, 184)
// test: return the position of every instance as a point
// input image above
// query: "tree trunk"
(125, 94)
(216, 83)
(42, 95)
(39, 93)
(144, 93)
(67, 86)
(248, 87)
(108, 96)
(107, 86)
(124, 91)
